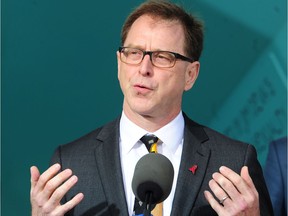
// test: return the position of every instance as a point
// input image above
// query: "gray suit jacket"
(95, 159)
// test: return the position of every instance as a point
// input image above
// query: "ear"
(118, 63)
(191, 75)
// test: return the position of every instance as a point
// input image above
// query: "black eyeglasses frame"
(177, 55)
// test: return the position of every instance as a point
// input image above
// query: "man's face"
(150, 91)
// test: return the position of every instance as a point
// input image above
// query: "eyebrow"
(154, 50)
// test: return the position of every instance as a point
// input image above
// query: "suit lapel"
(108, 162)
(107, 157)
(193, 154)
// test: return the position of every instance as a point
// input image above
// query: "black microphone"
(153, 177)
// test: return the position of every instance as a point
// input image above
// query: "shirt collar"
(129, 133)
(171, 134)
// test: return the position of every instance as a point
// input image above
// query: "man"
(157, 62)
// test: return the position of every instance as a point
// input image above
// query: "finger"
(61, 210)
(246, 176)
(42, 180)
(47, 175)
(55, 182)
(35, 174)
(213, 203)
(236, 179)
(59, 193)
(252, 196)
(246, 196)
(226, 184)
(217, 190)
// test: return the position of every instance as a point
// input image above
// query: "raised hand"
(236, 193)
(48, 189)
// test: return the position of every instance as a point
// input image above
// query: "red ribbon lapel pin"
(193, 168)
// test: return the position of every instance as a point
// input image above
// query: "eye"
(133, 53)
(164, 57)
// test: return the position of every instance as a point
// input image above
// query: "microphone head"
(153, 174)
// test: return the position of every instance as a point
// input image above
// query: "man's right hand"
(48, 189)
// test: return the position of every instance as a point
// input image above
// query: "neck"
(151, 123)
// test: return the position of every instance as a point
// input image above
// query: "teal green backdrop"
(59, 77)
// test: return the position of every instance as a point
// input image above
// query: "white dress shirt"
(132, 149)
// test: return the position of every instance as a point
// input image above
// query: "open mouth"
(142, 89)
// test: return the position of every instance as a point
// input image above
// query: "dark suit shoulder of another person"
(275, 173)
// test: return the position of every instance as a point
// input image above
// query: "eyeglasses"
(160, 59)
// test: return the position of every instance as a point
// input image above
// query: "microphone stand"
(147, 204)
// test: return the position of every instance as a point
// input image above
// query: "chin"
(140, 106)
(141, 110)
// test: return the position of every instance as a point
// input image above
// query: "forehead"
(154, 33)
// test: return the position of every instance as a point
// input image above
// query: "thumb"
(246, 176)
(35, 174)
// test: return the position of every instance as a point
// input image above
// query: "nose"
(146, 67)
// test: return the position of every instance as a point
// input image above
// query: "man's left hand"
(236, 193)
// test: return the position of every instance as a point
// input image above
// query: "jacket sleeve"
(256, 174)
(56, 158)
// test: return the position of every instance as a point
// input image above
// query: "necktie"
(150, 141)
